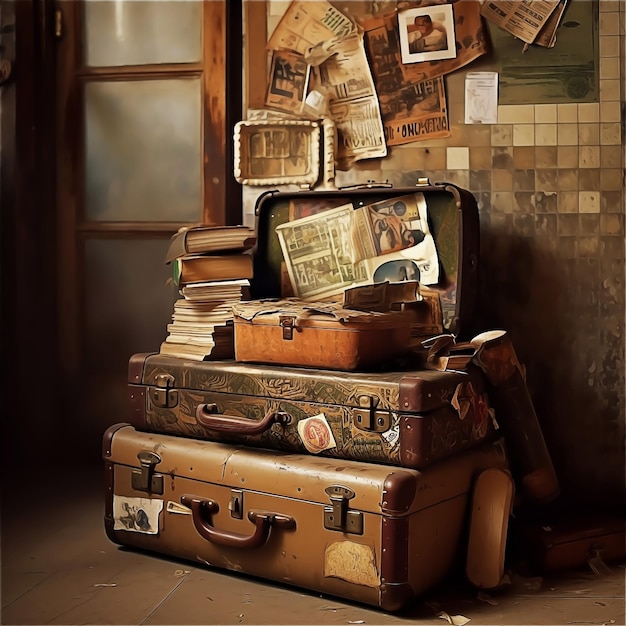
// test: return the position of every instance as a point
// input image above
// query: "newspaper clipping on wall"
(524, 20)
(342, 248)
(330, 43)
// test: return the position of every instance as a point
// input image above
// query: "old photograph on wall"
(427, 34)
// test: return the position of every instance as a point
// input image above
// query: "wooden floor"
(58, 567)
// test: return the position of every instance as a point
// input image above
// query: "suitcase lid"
(453, 222)
(315, 314)
(378, 489)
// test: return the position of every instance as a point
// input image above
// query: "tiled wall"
(549, 179)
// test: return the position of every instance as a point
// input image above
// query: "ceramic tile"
(610, 133)
(588, 112)
(589, 202)
(611, 156)
(478, 135)
(480, 158)
(523, 202)
(609, 46)
(523, 180)
(589, 223)
(546, 180)
(612, 180)
(611, 224)
(567, 134)
(523, 135)
(524, 157)
(610, 111)
(567, 156)
(609, 68)
(589, 156)
(588, 246)
(589, 134)
(457, 158)
(501, 135)
(609, 90)
(545, 202)
(480, 180)
(546, 156)
(609, 6)
(502, 202)
(589, 179)
(501, 180)
(545, 114)
(516, 114)
(568, 179)
(567, 248)
(502, 158)
(567, 113)
(609, 23)
(459, 177)
(545, 134)
(567, 225)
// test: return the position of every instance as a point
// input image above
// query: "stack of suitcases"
(337, 452)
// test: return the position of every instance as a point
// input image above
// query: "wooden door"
(148, 93)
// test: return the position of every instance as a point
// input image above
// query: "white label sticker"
(138, 515)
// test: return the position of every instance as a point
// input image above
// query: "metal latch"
(235, 505)
(145, 479)
(287, 322)
(367, 417)
(164, 395)
(339, 516)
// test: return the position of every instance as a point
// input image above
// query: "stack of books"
(212, 268)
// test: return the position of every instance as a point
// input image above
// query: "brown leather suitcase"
(327, 335)
(409, 418)
(369, 533)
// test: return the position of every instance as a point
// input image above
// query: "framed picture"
(427, 33)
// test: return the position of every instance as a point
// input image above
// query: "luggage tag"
(138, 515)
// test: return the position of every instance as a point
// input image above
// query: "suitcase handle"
(207, 417)
(262, 520)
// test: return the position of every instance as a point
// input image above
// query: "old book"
(216, 290)
(196, 268)
(199, 239)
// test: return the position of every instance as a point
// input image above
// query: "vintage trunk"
(365, 532)
(409, 418)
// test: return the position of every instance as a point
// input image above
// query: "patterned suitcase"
(409, 418)
(369, 533)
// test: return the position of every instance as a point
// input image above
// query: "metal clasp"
(338, 516)
(288, 323)
(164, 395)
(145, 479)
(366, 417)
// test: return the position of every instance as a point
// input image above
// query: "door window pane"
(143, 150)
(132, 32)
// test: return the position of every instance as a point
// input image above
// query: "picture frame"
(277, 152)
(427, 33)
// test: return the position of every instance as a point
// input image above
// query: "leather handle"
(206, 417)
(201, 510)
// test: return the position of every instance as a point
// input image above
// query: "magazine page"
(524, 20)
(329, 252)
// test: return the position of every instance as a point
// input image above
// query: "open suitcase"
(365, 532)
(399, 416)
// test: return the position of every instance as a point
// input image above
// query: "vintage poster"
(288, 81)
